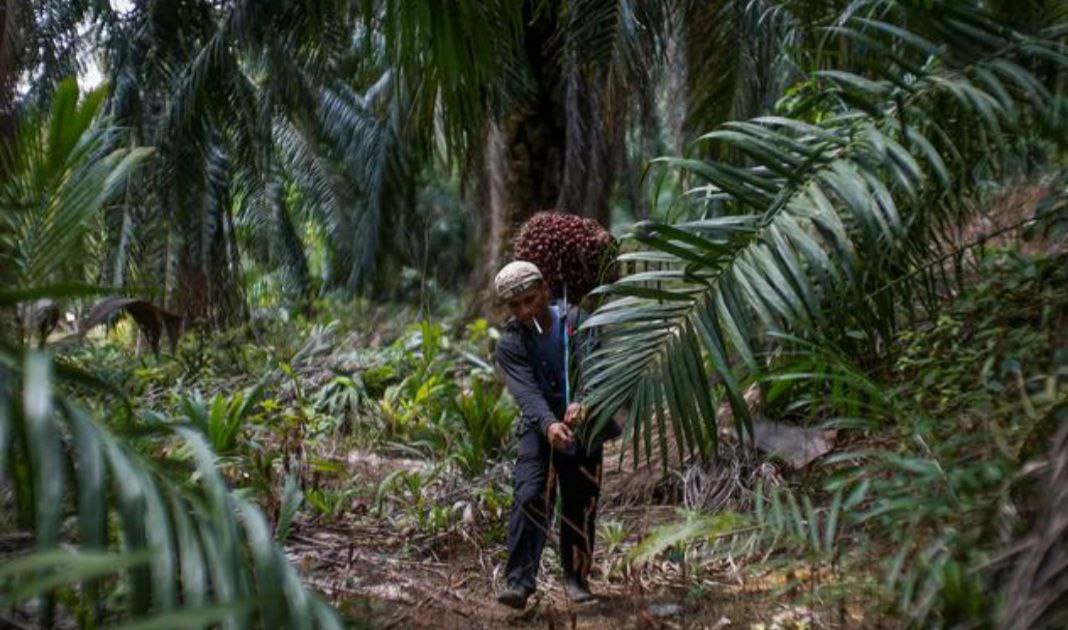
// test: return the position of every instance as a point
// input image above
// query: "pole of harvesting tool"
(567, 403)
(567, 347)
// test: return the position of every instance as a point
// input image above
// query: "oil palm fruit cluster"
(569, 250)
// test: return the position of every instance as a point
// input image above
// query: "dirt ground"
(404, 579)
(370, 584)
(364, 571)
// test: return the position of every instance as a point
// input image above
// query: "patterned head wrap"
(515, 278)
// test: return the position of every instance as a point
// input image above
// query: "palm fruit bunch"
(569, 250)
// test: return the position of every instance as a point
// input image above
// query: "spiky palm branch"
(828, 212)
(190, 553)
(740, 56)
(59, 170)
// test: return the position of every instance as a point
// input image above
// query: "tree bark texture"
(11, 39)
(560, 150)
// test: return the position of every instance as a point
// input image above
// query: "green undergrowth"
(936, 475)
(296, 396)
(330, 417)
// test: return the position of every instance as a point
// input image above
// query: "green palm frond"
(830, 208)
(614, 34)
(191, 552)
(365, 175)
(61, 168)
(740, 56)
(460, 57)
(50, 52)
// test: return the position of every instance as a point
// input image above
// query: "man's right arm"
(521, 383)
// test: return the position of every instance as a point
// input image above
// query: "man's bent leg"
(580, 488)
(529, 520)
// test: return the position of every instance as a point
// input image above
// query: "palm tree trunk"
(10, 42)
(121, 253)
(290, 250)
(492, 224)
(520, 175)
(558, 151)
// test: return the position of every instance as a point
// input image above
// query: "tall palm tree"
(210, 86)
(536, 97)
(250, 102)
(229, 94)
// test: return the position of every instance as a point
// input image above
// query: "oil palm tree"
(537, 99)
(235, 97)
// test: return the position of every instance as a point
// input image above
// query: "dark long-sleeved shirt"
(530, 380)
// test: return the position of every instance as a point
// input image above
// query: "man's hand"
(575, 415)
(559, 436)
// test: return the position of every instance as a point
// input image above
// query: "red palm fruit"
(568, 249)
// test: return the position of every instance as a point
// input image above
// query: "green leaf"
(193, 617)
(45, 452)
(644, 292)
(830, 532)
(291, 500)
(41, 572)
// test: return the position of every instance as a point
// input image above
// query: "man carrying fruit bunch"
(533, 355)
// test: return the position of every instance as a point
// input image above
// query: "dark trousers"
(538, 471)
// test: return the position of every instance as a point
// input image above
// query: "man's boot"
(515, 596)
(577, 590)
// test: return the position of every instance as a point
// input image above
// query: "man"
(531, 357)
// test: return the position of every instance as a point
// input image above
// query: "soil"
(383, 577)
(377, 584)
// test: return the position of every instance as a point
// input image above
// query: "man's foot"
(515, 596)
(577, 590)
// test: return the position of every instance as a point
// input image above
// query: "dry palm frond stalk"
(1038, 594)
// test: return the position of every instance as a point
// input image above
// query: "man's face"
(529, 304)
